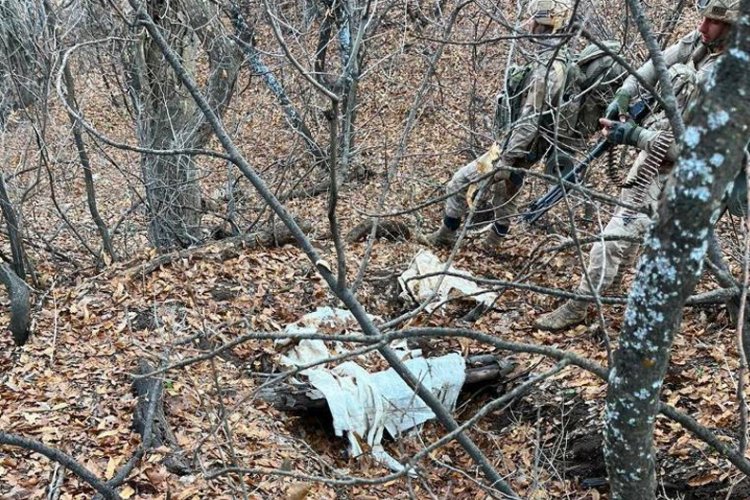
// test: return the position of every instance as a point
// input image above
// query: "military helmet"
(554, 13)
(720, 10)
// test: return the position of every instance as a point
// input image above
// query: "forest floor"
(70, 386)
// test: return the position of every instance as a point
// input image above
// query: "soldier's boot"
(571, 313)
(443, 237)
(494, 239)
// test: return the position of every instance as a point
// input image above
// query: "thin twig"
(742, 371)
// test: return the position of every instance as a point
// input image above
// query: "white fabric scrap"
(444, 376)
(363, 404)
(309, 351)
(322, 316)
(306, 351)
(421, 289)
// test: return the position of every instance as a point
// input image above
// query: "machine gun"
(638, 111)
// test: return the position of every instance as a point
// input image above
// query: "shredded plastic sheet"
(364, 404)
(421, 289)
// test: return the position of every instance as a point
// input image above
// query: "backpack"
(594, 76)
(509, 101)
(591, 81)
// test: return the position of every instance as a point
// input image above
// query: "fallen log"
(483, 368)
(150, 421)
(388, 229)
(225, 249)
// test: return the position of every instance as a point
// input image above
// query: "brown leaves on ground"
(70, 386)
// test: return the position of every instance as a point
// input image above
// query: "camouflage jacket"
(690, 64)
(535, 130)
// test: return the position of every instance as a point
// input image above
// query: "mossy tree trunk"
(672, 262)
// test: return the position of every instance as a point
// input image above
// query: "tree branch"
(63, 459)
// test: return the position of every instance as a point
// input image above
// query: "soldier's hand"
(618, 107)
(626, 133)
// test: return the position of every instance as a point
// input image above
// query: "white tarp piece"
(314, 350)
(309, 351)
(364, 404)
(421, 289)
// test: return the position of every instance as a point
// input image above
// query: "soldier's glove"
(619, 106)
(626, 133)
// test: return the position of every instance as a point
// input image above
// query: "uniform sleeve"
(544, 87)
(680, 52)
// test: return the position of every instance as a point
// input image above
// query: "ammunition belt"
(640, 181)
(613, 167)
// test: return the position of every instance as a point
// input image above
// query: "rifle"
(638, 111)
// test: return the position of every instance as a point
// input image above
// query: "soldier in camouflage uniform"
(691, 62)
(530, 140)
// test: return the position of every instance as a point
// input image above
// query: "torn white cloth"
(363, 404)
(421, 289)
(308, 351)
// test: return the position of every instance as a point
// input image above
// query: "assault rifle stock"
(638, 111)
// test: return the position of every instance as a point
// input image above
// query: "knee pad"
(516, 178)
(451, 223)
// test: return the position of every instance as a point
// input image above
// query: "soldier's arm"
(645, 139)
(680, 52)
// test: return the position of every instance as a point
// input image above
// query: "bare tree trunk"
(83, 156)
(70, 99)
(14, 236)
(169, 119)
(352, 25)
(245, 34)
(21, 71)
(20, 308)
(670, 267)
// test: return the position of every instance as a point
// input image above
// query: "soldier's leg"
(607, 264)
(604, 261)
(606, 258)
(639, 227)
(608, 254)
(455, 206)
(505, 208)
(628, 262)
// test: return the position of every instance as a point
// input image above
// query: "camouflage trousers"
(501, 193)
(609, 257)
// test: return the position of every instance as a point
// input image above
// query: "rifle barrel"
(536, 209)
(539, 207)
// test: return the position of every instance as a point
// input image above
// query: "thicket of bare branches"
(208, 130)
